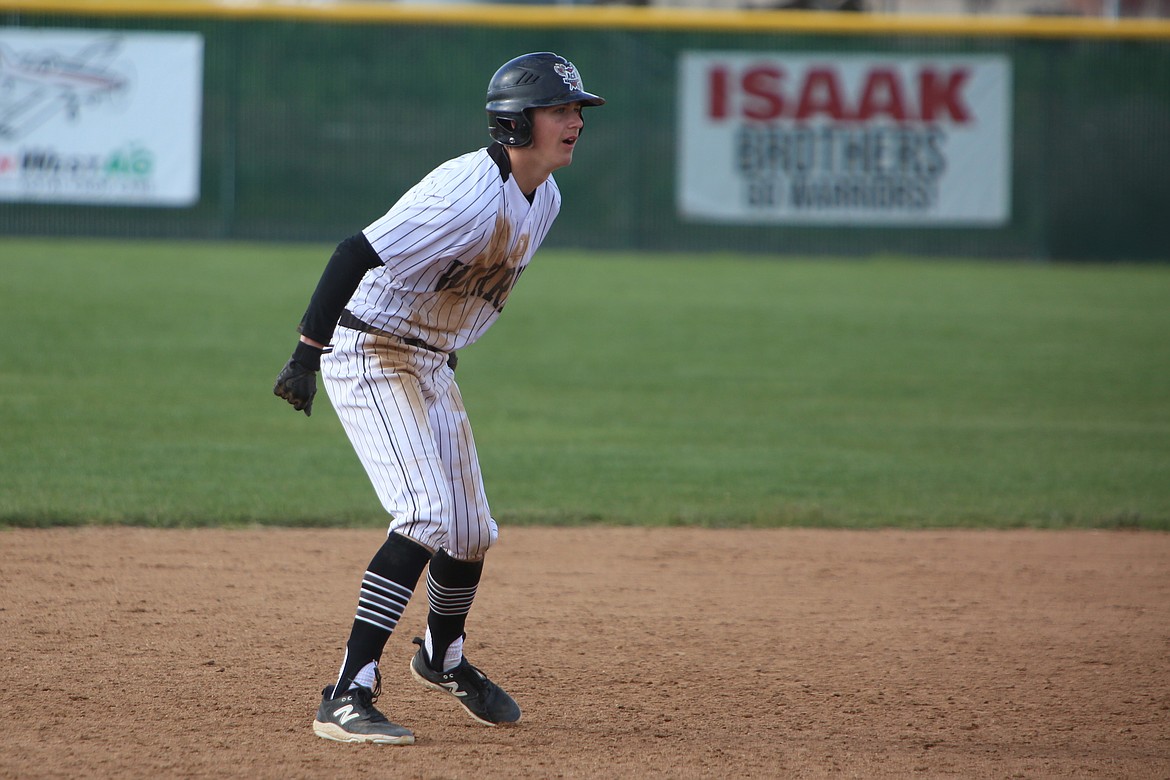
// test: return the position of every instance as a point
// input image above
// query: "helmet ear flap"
(510, 128)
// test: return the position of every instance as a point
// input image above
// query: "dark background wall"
(313, 127)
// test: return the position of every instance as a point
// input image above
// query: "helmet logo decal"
(569, 75)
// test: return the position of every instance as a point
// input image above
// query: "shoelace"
(373, 715)
(366, 698)
(477, 679)
(374, 694)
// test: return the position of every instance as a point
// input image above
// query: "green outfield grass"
(136, 388)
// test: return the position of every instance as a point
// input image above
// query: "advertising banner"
(844, 140)
(100, 116)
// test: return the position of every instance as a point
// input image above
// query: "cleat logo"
(454, 688)
(345, 714)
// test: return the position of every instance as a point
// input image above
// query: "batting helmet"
(536, 80)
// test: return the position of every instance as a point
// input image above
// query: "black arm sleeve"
(349, 263)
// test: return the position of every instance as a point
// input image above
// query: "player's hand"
(297, 381)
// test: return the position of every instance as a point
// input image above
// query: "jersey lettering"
(492, 274)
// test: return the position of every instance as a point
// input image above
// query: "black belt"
(348, 320)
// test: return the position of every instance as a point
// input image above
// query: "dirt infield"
(672, 653)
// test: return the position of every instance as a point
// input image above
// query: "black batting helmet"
(536, 80)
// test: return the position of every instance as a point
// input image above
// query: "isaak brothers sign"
(861, 139)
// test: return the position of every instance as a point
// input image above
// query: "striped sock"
(381, 602)
(451, 587)
(386, 589)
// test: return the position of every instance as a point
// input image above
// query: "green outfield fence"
(315, 117)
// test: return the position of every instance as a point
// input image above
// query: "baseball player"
(392, 306)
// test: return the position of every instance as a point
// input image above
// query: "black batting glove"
(297, 381)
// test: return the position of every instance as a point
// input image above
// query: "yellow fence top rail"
(612, 17)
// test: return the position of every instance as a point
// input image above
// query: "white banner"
(849, 140)
(100, 116)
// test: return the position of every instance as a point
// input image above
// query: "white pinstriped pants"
(404, 415)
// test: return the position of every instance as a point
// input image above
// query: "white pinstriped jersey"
(452, 248)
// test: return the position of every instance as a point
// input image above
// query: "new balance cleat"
(483, 699)
(352, 717)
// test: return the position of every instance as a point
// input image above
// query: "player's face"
(555, 131)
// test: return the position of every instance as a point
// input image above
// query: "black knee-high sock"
(451, 586)
(387, 586)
